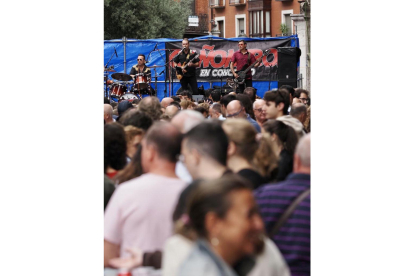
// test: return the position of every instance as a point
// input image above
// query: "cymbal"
(155, 66)
(121, 77)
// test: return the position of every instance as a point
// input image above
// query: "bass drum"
(129, 97)
(117, 90)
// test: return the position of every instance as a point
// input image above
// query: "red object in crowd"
(123, 272)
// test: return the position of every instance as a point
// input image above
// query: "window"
(260, 24)
(286, 19)
(240, 25)
(221, 26)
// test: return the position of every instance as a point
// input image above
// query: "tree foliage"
(145, 19)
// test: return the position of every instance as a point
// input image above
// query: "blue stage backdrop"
(215, 54)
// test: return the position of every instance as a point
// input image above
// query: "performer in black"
(141, 68)
(189, 77)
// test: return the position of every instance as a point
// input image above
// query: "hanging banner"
(215, 57)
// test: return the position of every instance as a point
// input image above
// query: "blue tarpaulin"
(155, 53)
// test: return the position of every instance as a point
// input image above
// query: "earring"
(215, 241)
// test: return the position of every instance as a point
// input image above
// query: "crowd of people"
(215, 187)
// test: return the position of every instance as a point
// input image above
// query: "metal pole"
(124, 40)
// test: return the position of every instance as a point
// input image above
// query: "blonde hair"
(186, 103)
(257, 148)
(131, 132)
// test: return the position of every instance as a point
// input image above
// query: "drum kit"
(125, 87)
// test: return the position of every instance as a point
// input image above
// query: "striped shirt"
(293, 239)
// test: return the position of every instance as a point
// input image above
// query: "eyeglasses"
(260, 110)
(235, 114)
(304, 99)
(140, 59)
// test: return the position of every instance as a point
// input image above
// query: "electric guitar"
(242, 73)
(179, 70)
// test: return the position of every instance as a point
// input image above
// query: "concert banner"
(215, 57)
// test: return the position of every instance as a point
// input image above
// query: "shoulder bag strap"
(288, 212)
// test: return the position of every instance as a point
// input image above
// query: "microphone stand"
(270, 75)
(165, 65)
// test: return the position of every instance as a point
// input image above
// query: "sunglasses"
(140, 59)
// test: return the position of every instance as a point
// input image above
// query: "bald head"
(258, 103)
(108, 112)
(235, 107)
(187, 119)
(165, 139)
(299, 111)
(302, 159)
(171, 110)
(166, 102)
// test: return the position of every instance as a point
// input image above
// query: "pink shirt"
(242, 59)
(139, 213)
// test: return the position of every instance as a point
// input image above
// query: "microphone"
(116, 52)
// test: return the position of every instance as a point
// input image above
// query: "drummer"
(141, 68)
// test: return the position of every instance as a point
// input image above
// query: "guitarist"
(189, 76)
(243, 58)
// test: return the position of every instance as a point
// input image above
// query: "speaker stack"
(288, 58)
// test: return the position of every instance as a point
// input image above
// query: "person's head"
(242, 45)
(242, 139)
(151, 106)
(303, 95)
(166, 101)
(247, 104)
(284, 135)
(171, 110)
(141, 59)
(108, 112)
(299, 111)
(223, 211)
(307, 123)
(136, 118)
(133, 136)
(216, 96)
(296, 100)
(277, 103)
(202, 109)
(259, 111)
(225, 101)
(204, 143)
(185, 104)
(186, 43)
(186, 120)
(207, 93)
(290, 90)
(161, 145)
(132, 169)
(176, 99)
(124, 106)
(185, 95)
(215, 111)
(302, 158)
(114, 146)
(251, 92)
(235, 110)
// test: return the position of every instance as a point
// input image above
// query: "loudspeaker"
(288, 58)
(292, 83)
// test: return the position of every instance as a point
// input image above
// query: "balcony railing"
(237, 2)
(217, 3)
